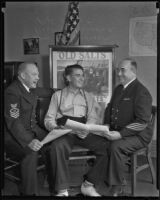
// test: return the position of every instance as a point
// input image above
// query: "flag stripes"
(70, 32)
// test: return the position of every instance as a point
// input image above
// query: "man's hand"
(35, 145)
(81, 134)
(112, 135)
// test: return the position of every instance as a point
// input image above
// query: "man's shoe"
(89, 190)
(62, 193)
(116, 190)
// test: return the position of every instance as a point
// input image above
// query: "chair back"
(44, 97)
(152, 123)
(153, 116)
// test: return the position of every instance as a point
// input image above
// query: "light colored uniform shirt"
(71, 103)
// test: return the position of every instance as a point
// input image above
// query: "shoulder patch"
(14, 111)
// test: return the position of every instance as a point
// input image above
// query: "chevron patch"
(137, 126)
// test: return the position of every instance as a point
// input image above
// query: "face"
(31, 76)
(125, 72)
(76, 78)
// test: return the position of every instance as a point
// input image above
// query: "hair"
(68, 70)
(23, 66)
(132, 62)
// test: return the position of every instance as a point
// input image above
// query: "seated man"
(74, 103)
(128, 115)
(22, 134)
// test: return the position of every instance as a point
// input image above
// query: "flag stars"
(71, 22)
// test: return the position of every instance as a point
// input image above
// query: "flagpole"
(66, 18)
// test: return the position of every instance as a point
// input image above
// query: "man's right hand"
(81, 134)
(35, 145)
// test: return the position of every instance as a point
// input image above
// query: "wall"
(101, 23)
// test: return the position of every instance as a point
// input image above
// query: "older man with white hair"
(22, 134)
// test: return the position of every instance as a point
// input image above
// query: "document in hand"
(86, 127)
(55, 133)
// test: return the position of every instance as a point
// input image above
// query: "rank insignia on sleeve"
(14, 111)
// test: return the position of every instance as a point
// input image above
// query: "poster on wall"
(143, 36)
(97, 69)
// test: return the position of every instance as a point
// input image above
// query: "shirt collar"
(75, 92)
(26, 87)
(129, 83)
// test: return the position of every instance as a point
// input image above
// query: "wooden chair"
(11, 164)
(146, 151)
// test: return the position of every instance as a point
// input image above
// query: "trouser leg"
(28, 163)
(29, 174)
(98, 145)
(59, 152)
(118, 152)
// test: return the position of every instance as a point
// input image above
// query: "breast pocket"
(127, 107)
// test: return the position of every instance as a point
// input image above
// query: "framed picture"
(31, 45)
(58, 35)
(98, 64)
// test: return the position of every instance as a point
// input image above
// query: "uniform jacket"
(20, 117)
(129, 111)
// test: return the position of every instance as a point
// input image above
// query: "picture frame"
(98, 64)
(57, 36)
(31, 45)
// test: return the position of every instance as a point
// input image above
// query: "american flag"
(71, 33)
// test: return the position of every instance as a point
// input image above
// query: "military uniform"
(20, 129)
(128, 112)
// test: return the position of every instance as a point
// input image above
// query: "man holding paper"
(74, 104)
(128, 115)
(22, 134)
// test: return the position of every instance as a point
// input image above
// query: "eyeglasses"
(78, 75)
(122, 70)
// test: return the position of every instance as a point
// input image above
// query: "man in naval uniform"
(128, 116)
(22, 134)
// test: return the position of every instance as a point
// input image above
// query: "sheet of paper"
(96, 127)
(71, 124)
(55, 133)
(85, 127)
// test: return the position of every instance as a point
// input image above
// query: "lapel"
(129, 88)
(28, 96)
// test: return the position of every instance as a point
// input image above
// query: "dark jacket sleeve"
(107, 114)
(142, 112)
(13, 120)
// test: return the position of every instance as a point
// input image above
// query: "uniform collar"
(25, 86)
(126, 85)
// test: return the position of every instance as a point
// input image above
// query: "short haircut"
(132, 62)
(22, 67)
(68, 70)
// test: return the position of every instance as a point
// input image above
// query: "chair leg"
(133, 174)
(151, 169)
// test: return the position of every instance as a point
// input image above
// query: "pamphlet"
(55, 133)
(95, 128)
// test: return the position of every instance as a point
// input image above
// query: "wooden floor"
(144, 185)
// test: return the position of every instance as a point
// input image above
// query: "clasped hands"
(112, 135)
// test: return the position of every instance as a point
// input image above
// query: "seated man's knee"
(114, 146)
(60, 145)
